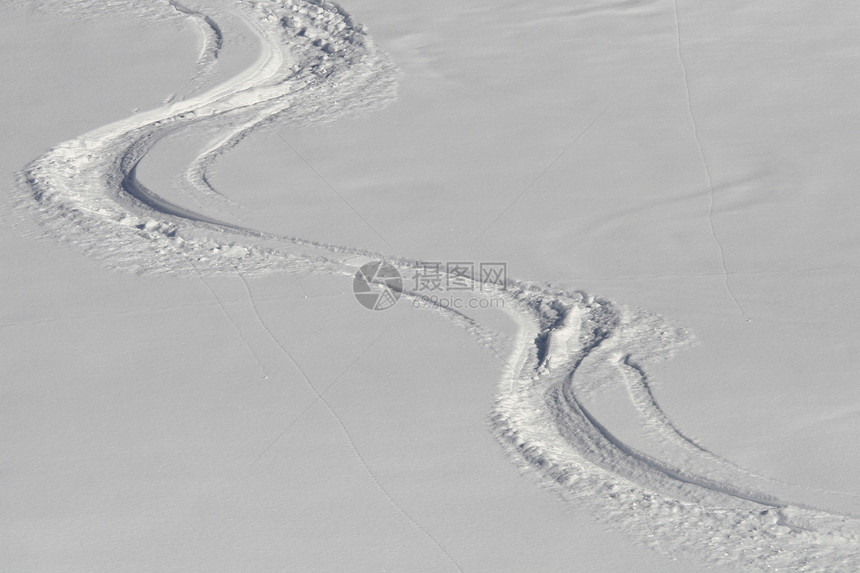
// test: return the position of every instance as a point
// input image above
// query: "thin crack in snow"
(320, 397)
(706, 167)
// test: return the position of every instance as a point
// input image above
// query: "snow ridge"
(317, 64)
(213, 40)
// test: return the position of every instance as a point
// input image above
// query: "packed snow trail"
(317, 64)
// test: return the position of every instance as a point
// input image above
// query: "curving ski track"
(317, 64)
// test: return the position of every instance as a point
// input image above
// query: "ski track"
(316, 64)
(213, 41)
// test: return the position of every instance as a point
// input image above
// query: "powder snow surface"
(577, 401)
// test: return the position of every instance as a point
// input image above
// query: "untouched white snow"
(653, 162)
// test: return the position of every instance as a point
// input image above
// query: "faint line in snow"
(229, 317)
(320, 397)
(272, 336)
(535, 180)
(330, 186)
(704, 165)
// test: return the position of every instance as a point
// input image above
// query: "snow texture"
(317, 64)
